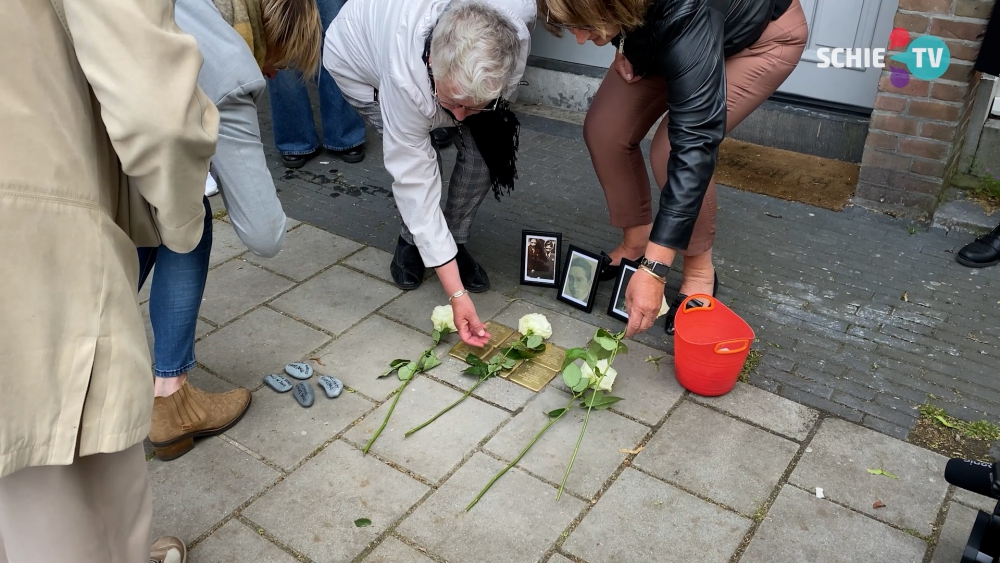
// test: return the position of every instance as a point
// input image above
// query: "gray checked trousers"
(470, 180)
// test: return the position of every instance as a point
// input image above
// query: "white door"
(846, 24)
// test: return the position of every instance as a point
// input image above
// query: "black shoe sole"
(296, 164)
(349, 158)
(403, 286)
(971, 264)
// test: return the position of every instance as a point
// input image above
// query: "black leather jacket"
(687, 42)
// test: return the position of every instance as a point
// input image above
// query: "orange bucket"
(711, 343)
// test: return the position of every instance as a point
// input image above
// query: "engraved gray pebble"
(331, 386)
(299, 370)
(279, 383)
(304, 394)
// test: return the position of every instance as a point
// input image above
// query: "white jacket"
(379, 44)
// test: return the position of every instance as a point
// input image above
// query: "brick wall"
(916, 132)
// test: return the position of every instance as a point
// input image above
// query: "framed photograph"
(540, 258)
(579, 278)
(616, 308)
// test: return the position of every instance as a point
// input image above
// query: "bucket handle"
(700, 296)
(743, 345)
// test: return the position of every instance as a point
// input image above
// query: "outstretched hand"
(643, 299)
(470, 329)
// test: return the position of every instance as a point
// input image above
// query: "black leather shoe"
(982, 252)
(672, 313)
(296, 160)
(473, 275)
(407, 268)
(444, 136)
(609, 272)
(352, 156)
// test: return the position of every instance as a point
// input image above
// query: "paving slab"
(368, 349)
(559, 558)
(235, 543)
(839, 456)
(260, 343)
(336, 299)
(955, 534)
(208, 382)
(307, 250)
(313, 510)
(765, 409)
(977, 501)
(567, 332)
(414, 308)
(373, 262)
(283, 432)
(394, 551)
(236, 287)
(488, 533)
(721, 458)
(226, 243)
(599, 456)
(192, 493)
(801, 527)
(436, 449)
(642, 519)
(496, 390)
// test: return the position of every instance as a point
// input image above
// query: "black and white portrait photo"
(616, 308)
(579, 285)
(540, 258)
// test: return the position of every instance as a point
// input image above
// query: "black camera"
(982, 478)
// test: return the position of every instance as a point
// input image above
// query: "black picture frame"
(629, 267)
(542, 277)
(576, 255)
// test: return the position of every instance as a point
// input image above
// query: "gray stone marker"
(955, 534)
(256, 286)
(489, 532)
(643, 519)
(599, 457)
(437, 449)
(801, 527)
(394, 551)
(336, 299)
(713, 455)
(313, 510)
(765, 409)
(307, 250)
(235, 543)
(838, 460)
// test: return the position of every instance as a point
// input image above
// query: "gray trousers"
(470, 180)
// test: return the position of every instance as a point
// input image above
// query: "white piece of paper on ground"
(819, 493)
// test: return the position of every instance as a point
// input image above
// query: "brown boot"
(190, 413)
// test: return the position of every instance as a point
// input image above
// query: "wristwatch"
(658, 269)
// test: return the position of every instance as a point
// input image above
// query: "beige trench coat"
(104, 142)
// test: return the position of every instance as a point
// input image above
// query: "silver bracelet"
(457, 294)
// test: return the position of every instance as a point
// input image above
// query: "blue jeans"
(291, 111)
(174, 300)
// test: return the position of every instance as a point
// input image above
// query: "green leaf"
(592, 398)
(606, 402)
(582, 385)
(574, 354)
(509, 363)
(474, 360)
(603, 333)
(407, 371)
(882, 472)
(393, 366)
(608, 344)
(362, 522)
(430, 361)
(572, 376)
(942, 420)
(556, 413)
(436, 335)
(622, 348)
(496, 360)
(597, 352)
(520, 354)
(534, 341)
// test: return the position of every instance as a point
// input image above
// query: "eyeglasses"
(452, 106)
(549, 21)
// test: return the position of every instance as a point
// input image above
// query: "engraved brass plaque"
(498, 335)
(533, 374)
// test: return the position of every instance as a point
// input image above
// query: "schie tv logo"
(926, 57)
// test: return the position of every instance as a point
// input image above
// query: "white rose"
(534, 324)
(586, 372)
(443, 318)
(608, 380)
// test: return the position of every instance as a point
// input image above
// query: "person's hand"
(624, 68)
(470, 330)
(643, 299)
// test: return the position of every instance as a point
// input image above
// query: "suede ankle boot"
(191, 413)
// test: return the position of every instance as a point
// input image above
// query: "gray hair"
(475, 48)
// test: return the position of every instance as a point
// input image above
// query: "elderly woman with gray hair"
(410, 67)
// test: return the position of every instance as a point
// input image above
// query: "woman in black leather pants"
(710, 63)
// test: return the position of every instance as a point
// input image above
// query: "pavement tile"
(801, 527)
(336, 299)
(969, 498)
(559, 558)
(955, 534)
(280, 430)
(496, 390)
(373, 262)
(414, 307)
(437, 449)
(197, 490)
(394, 551)
(225, 243)
(368, 349)
(235, 543)
(307, 250)
(236, 287)
(599, 455)
(703, 451)
(567, 332)
(765, 409)
(260, 343)
(642, 519)
(839, 456)
(208, 382)
(313, 510)
(488, 533)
